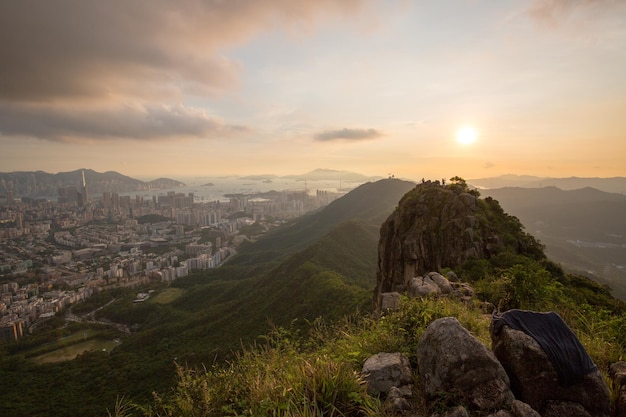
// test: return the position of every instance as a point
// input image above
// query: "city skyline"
(466, 87)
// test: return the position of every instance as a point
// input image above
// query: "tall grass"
(285, 375)
(275, 378)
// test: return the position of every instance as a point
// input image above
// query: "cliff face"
(436, 226)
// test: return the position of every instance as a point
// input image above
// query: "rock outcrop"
(437, 227)
(451, 360)
(535, 381)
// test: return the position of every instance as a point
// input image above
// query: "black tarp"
(567, 354)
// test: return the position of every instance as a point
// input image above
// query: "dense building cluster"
(56, 253)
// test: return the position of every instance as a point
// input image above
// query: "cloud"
(554, 13)
(488, 165)
(70, 68)
(348, 134)
(131, 121)
(140, 49)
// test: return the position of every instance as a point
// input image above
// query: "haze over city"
(417, 89)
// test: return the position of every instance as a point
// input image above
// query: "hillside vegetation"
(323, 264)
(284, 327)
(314, 371)
(584, 230)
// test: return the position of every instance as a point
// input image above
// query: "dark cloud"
(139, 122)
(348, 134)
(68, 68)
(139, 48)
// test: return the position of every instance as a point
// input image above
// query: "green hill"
(584, 230)
(315, 373)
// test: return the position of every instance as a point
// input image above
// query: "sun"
(466, 135)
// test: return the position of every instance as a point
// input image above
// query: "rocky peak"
(439, 226)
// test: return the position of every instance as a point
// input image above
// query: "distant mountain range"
(43, 184)
(584, 229)
(319, 175)
(610, 185)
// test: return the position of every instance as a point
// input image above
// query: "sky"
(154, 88)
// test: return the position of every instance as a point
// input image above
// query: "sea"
(206, 189)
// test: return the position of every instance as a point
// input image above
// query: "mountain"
(610, 185)
(584, 229)
(320, 265)
(331, 175)
(43, 184)
(436, 227)
(295, 373)
(370, 202)
(163, 183)
(261, 177)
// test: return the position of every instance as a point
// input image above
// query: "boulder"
(422, 287)
(451, 360)
(396, 399)
(434, 283)
(441, 282)
(385, 370)
(452, 277)
(390, 301)
(535, 381)
(617, 371)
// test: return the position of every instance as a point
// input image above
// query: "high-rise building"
(115, 199)
(83, 191)
(106, 200)
(10, 198)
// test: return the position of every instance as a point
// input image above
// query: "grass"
(318, 374)
(70, 352)
(276, 379)
(62, 342)
(168, 295)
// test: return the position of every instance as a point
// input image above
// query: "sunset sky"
(153, 88)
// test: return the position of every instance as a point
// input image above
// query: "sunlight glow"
(466, 135)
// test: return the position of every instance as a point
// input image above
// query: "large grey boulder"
(451, 360)
(442, 282)
(385, 370)
(422, 287)
(535, 381)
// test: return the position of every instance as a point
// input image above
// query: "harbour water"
(206, 189)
